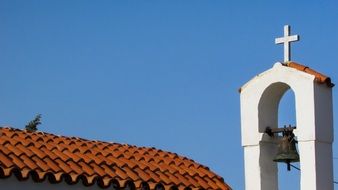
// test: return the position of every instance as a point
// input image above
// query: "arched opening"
(276, 109)
(289, 180)
(268, 105)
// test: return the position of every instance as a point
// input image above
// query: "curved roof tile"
(320, 78)
(46, 156)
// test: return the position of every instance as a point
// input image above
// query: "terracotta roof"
(320, 78)
(44, 156)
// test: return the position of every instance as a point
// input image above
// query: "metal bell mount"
(287, 151)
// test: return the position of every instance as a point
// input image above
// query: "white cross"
(286, 40)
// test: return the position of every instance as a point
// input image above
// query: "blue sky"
(163, 74)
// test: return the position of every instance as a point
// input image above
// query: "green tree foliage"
(32, 126)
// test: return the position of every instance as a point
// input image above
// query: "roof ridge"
(55, 135)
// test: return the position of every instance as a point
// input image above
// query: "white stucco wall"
(314, 120)
(12, 183)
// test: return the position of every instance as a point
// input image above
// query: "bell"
(287, 151)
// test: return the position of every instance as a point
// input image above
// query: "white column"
(260, 170)
(315, 137)
(316, 165)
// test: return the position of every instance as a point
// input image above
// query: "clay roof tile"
(5, 161)
(319, 77)
(47, 156)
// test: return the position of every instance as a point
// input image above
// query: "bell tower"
(259, 101)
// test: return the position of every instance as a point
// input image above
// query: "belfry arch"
(279, 104)
(260, 99)
(268, 106)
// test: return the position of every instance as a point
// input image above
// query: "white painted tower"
(314, 121)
